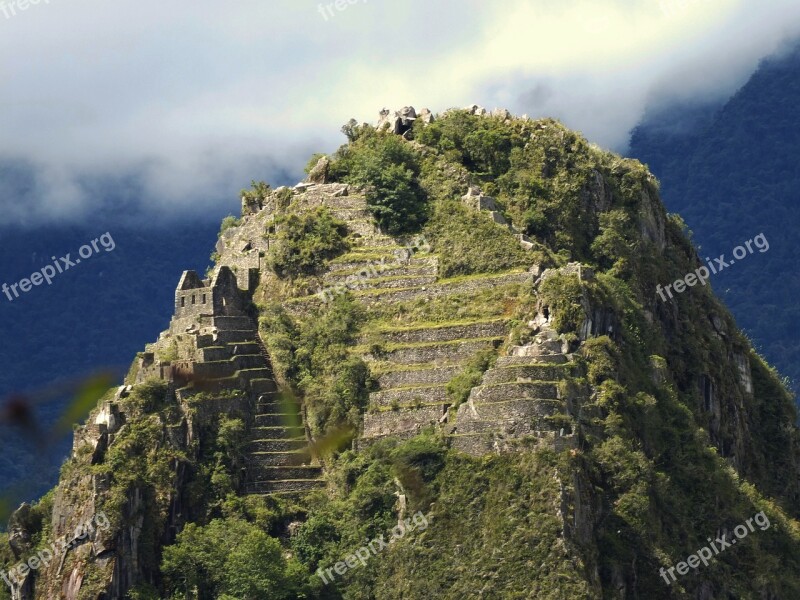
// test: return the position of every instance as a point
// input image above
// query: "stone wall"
(437, 353)
(392, 422)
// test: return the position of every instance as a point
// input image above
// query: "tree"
(387, 166)
(230, 557)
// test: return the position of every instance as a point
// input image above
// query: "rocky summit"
(454, 317)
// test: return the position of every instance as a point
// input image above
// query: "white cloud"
(191, 101)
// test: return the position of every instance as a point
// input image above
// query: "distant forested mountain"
(97, 314)
(732, 172)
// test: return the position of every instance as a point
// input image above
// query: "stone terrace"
(522, 396)
(412, 365)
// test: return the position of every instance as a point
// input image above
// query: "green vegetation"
(459, 387)
(469, 242)
(305, 241)
(259, 190)
(389, 170)
(729, 171)
(230, 557)
(227, 223)
(313, 357)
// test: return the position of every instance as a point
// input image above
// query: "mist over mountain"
(731, 172)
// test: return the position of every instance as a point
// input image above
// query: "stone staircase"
(279, 458)
(231, 358)
(521, 396)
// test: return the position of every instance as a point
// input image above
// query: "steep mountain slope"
(731, 177)
(463, 384)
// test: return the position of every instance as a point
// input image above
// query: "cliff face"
(457, 316)
(728, 171)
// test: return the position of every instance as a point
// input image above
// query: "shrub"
(233, 557)
(313, 356)
(227, 223)
(387, 167)
(481, 144)
(304, 242)
(459, 387)
(259, 190)
(564, 294)
(469, 242)
(149, 396)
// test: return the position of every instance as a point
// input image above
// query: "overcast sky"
(180, 104)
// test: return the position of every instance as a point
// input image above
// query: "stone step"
(249, 375)
(233, 323)
(540, 347)
(500, 392)
(435, 353)
(345, 202)
(214, 353)
(241, 380)
(355, 213)
(262, 472)
(227, 368)
(385, 283)
(278, 432)
(277, 445)
(525, 373)
(478, 444)
(263, 386)
(363, 227)
(276, 402)
(443, 333)
(442, 288)
(376, 270)
(409, 395)
(546, 333)
(399, 422)
(215, 386)
(265, 408)
(390, 278)
(380, 241)
(289, 459)
(252, 347)
(278, 419)
(223, 337)
(188, 394)
(389, 261)
(514, 361)
(510, 410)
(419, 375)
(285, 486)
(504, 428)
